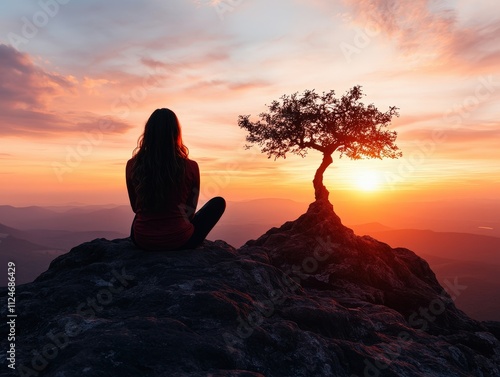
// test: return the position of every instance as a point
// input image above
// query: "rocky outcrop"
(307, 299)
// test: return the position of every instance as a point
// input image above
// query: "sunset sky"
(78, 80)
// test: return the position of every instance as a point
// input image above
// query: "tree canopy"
(297, 123)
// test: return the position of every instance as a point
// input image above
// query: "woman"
(163, 186)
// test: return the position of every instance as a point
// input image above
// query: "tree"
(324, 123)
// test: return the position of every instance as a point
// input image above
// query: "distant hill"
(83, 208)
(473, 260)
(30, 258)
(10, 243)
(16, 216)
(33, 250)
(65, 240)
(259, 211)
(481, 298)
(477, 216)
(452, 245)
(46, 225)
(369, 228)
(116, 219)
(119, 218)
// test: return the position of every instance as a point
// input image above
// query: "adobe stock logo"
(30, 26)
(221, 7)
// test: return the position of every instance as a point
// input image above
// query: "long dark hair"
(159, 160)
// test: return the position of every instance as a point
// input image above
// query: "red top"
(172, 227)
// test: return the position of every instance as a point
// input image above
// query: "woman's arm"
(194, 192)
(130, 188)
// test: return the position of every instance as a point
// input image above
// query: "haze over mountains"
(33, 236)
(471, 260)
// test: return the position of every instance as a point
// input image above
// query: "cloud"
(228, 85)
(165, 71)
(23, 84)
(28, 101)
(29, 123)
(113, 36)
(410, 120)
(201, 57)
(474, 50)
(412, 25)
(91, 83)
(155, 64)
(428, 34)
(461, 139)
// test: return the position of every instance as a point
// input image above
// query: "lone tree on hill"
(325, 123)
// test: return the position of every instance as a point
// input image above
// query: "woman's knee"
(219, 202)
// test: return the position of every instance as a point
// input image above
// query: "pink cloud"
(428, 32)
(466, 137)
(412, 25)
(24, 84)
(208, 85)
(28, 101)
(29, 123)
(150, 72)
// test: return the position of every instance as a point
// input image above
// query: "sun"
(368, 180)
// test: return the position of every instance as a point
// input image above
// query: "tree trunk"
(320, 191)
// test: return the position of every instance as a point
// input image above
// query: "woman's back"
(170, 226)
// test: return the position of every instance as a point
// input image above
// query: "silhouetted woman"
(163, 186)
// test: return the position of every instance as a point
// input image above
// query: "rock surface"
(307, 299)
